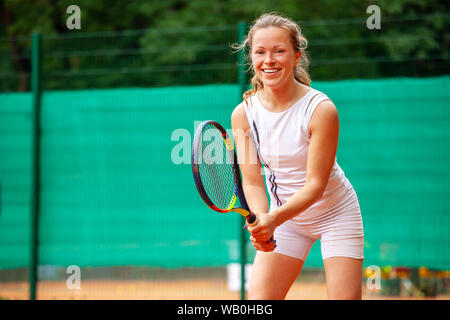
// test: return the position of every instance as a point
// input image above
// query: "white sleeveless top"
(282, 141)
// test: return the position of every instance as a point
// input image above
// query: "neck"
(279, 98)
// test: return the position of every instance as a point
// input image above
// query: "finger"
(254, 229)
(270, 247)
(257, 230)
(262, 236)
(256, 242)
(267, 246)
(258, 245)
(263, 246)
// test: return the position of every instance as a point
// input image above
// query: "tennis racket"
(216, 172)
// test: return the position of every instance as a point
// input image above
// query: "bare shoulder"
(326, 108)
(325, 114)
(239, 117)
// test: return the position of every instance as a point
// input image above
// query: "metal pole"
(35, 191)
(242, 85)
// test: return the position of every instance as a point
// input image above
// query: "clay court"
(165, 290)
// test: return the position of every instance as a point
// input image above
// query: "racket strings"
(216, 168)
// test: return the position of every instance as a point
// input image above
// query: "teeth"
(271, 70)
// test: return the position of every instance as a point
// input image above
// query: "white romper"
(282, 141)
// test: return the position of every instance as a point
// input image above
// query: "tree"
(170, 42)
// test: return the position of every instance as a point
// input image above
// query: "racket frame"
(238, 191)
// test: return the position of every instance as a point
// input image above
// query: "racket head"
(215, 169)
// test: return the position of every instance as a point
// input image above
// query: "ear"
(298, 55)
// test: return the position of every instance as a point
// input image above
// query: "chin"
(273, 84)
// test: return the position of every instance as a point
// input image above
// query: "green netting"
(15, 179)
(394, 147)
(112, 194)
(121, 200)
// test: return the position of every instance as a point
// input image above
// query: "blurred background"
(97, 199)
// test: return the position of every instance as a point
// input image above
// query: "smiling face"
(273, 56)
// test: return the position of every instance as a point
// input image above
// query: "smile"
(271, 71)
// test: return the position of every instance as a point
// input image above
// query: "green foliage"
(159, 43)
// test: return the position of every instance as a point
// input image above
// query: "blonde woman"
(293, 129)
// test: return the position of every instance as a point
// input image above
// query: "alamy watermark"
(373, 275)
(374, 20)
(74, 20)
(73, 281)
(211, 152)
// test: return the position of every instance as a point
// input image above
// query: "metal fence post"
(242, 85)
(35, 184)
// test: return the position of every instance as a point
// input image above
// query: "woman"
(294, 131)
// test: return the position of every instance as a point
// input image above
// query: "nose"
(269, 59)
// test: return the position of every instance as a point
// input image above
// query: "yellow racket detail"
(241, 211)
(231, 204)
(228, 144)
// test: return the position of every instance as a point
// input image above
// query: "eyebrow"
(273, 46)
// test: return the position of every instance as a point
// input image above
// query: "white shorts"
(340, 232)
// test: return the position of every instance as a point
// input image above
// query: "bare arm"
(324, 131)
(252, 179)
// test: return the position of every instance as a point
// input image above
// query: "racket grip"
(251, 218)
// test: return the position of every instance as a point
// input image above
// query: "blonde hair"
(298, 41)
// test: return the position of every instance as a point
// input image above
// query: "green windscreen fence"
(15, 178)
(117, 187)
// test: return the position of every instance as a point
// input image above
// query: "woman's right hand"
(267, 246)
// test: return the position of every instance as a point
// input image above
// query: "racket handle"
(251, 218)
